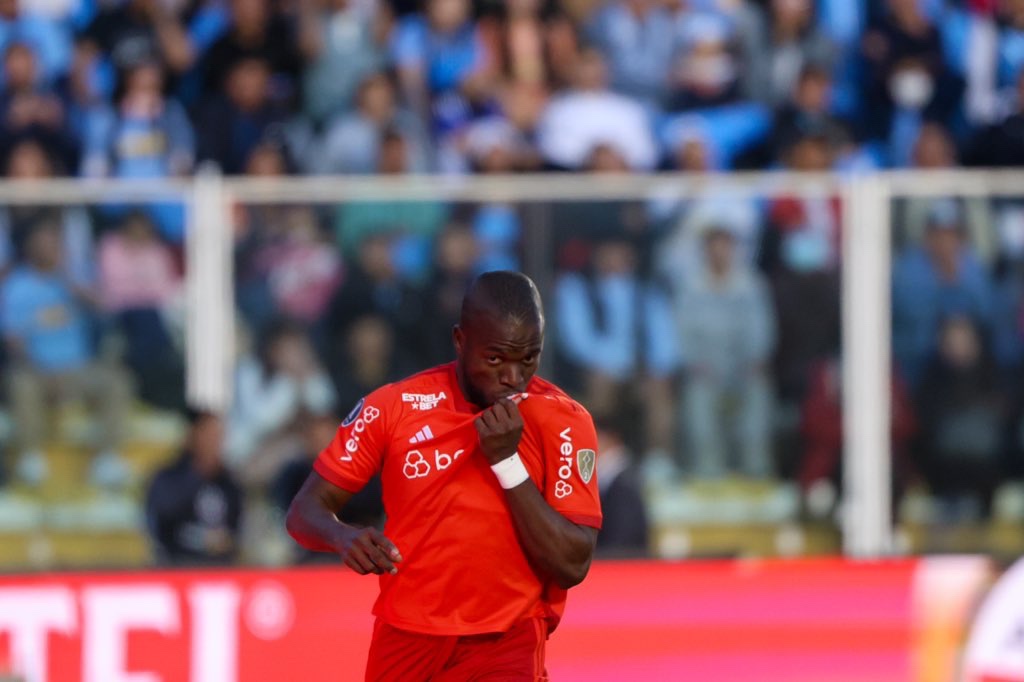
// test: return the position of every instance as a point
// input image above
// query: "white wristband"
(510, 471)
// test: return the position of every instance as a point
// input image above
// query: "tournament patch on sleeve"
(571, 454)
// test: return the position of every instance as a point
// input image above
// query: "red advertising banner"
(820, 620)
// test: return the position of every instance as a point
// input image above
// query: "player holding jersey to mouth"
(490, 496)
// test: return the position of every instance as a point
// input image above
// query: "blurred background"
(753, 222)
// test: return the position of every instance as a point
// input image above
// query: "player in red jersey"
(490, 496)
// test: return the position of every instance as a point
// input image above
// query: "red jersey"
(463, 570)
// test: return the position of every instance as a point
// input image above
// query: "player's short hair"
(504, 294)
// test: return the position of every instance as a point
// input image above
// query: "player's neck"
(464, 392)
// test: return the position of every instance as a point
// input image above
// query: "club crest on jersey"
(423, 401)
(585, 461)
(351, 417)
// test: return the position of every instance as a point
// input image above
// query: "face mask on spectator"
(710, 71)
(805, 251)
(911, 88)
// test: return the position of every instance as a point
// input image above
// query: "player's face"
(497, 357)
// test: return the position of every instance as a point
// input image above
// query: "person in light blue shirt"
(42, 319)
(613, 329)
(727, 331)
(144, 135)
(49, 40)
(638, 39)
(351, 141)
(45, 326)
(441, 60)
(342, 49)
(936, 279)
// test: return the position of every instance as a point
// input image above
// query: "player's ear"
(459, 338)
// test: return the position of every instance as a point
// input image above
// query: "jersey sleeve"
(360, 443)
(570, 460)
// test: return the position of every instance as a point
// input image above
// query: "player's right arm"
(312, 521)
(343, 468)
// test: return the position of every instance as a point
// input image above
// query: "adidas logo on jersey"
(423, 434)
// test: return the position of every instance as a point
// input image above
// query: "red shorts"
(513, 656)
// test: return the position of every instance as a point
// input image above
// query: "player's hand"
(499, 428)
(366, 550)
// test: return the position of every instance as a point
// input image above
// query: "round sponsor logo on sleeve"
(351, 417)
(562, 489)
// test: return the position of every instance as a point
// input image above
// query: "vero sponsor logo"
(562, 486)
(368, 416)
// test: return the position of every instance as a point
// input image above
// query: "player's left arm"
(558, 547)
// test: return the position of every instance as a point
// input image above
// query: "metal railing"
(867, 521)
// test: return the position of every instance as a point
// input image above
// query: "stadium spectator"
(935, 149)
(275, 386)
(790, 43)
(806, 226)
(138, 32)
(941, 277)
(1008, 333)
(821, 426)
(495, 145)
(343, 42)
(679, 245)
(1001, 144)
(32, 109)
(518, 40)
(985, 45)
(49, 41)
(581, 222)
(145, 134)
(232, 125)
(28, 160)
(961, 410)
(564, 43)
(706, 71)
(638, 39)
(445, 71)
(805, 291)
(303, 269)
(194, 506)
(411, 224)
(455, 265)
(352, 140)
(139, 285)
(86, 90)
(907, 79)
(590, 116)
(261, 229)
(807, 109)
(1010, 23)
(626, 531)
(366, 508)
(370, 356)
(727, 335)
(375, 286)
(256, 30)
(800, 247)
(612, 329)
(46, 327)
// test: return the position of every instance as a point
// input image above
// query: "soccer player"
(490, 495)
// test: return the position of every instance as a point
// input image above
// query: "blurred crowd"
(148, 88)
(704, 335)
